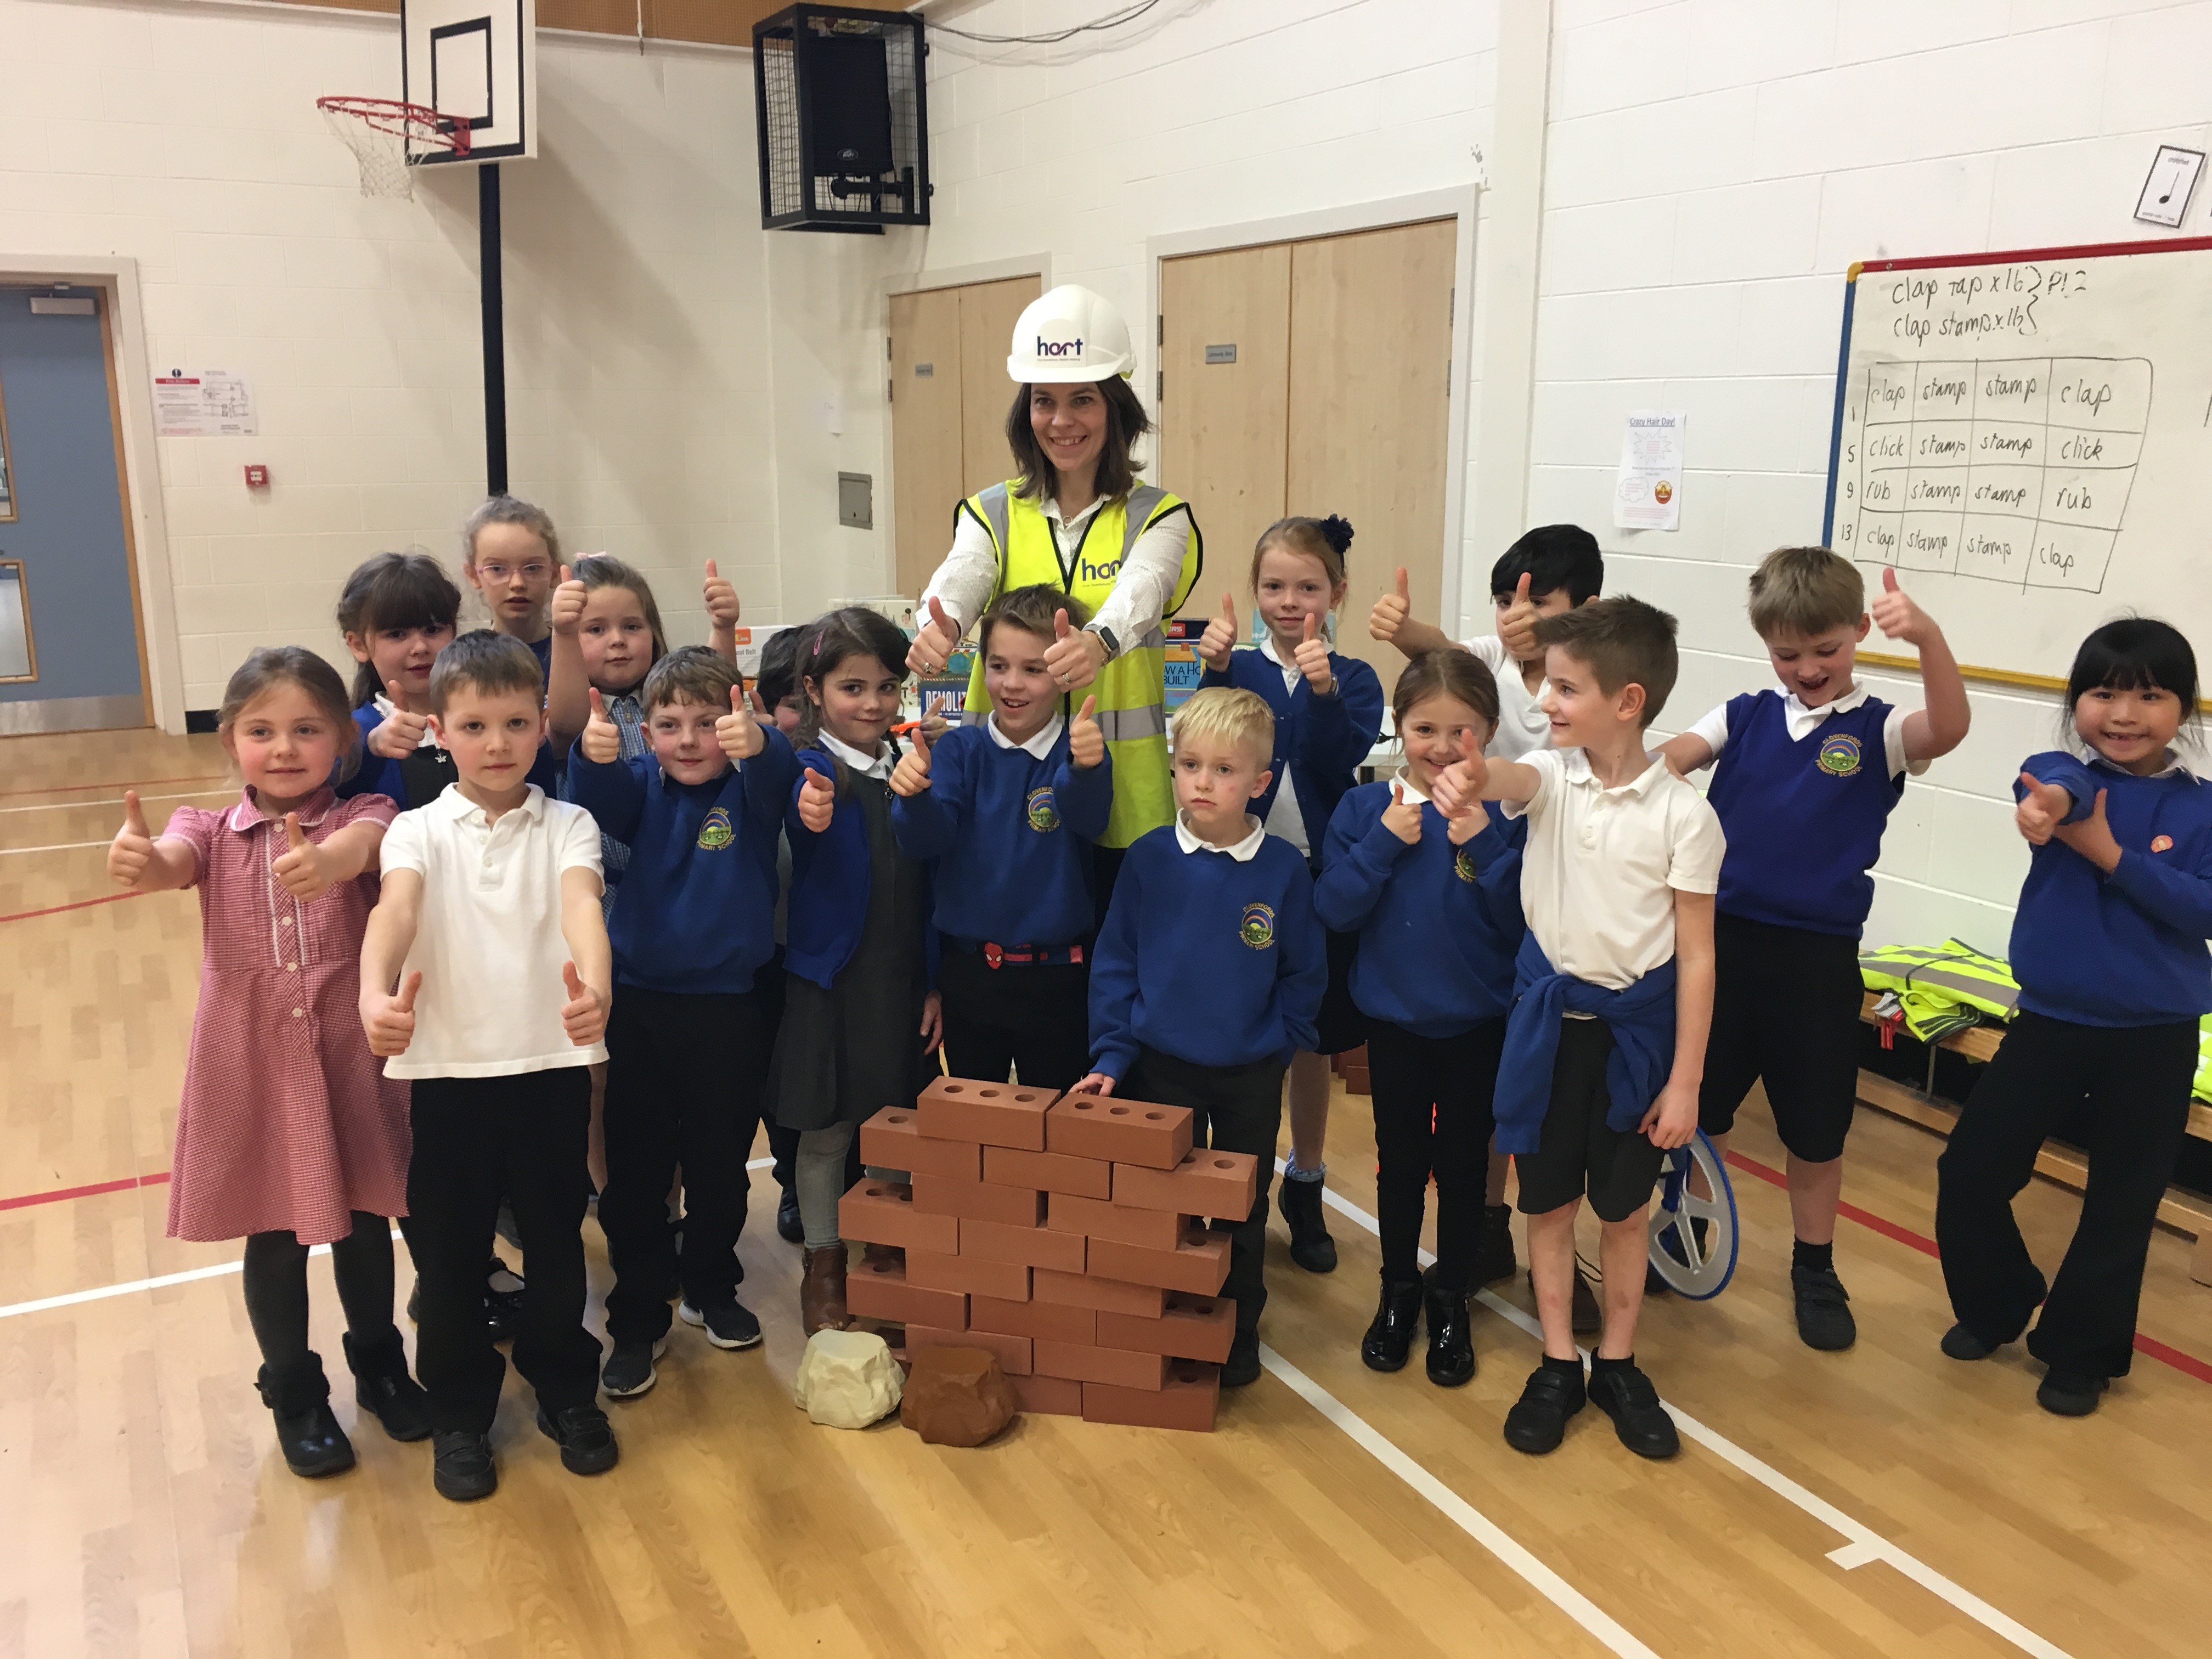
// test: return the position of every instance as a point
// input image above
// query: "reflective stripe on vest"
(1132, 689)
(1952, 971)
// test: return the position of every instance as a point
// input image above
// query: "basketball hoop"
(384, 134)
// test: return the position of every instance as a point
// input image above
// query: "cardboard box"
(996, 1114)
(892, 1139)
(1067, 1213)
(1028, 1247)
(1207, 1182)
(1120, 1131)
(1199, 1264)
(1050, 1172)
(883, 1213)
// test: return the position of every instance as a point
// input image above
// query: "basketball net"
(382, 132)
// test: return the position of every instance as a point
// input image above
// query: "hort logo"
(1840, 756)
(1043, 815)
(1093, 570)
(1257, 928)
(715, 833)
(1059, 348)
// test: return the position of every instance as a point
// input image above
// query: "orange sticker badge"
(2161, 843)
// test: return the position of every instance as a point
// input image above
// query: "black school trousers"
(2137, 1079)
(478, 1139)
(1432, 1116)
(1035, 1016)
(685, 1075)
(1236, 1109)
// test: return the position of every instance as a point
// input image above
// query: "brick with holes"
(1123, 1367)
(1050, 1172)
(879, 1289)
(1120, 1131)
(1049, 1396)
(1067, 1213)
(892, 1139)
(883, 1213)
(1207, 1182)
(1055, 1321)
(1192, 1327)
(1030, 1247)
(1105, 1294)
(995, 1114)
(1199, 1263)
(978, 1201)
(968, 1274)
(1187, 1399)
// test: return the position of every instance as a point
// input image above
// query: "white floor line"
(1866, 1545)
(102, 1292)
(70, 806)
(1463, 1515)
(57, 847)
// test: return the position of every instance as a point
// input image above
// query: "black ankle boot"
(1397, 1316)
(1494, 1248)
(1311, 1247)
(384, 1390)
(1451, 1335)
(299, 1398)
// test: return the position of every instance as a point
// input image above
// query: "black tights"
(276, 1294)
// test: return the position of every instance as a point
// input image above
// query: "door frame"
(145, 523)
(1459, 204)
(1038, 265)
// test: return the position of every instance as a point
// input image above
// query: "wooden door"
(988, 311)
(1369, 377)
(926, 415)
(1224, 381)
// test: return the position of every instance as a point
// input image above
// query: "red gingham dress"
(287, 1120)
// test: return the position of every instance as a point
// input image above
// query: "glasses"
(536, 571)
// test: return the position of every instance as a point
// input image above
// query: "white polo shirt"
(1521, 723)
(489, 946)
(1600, 873)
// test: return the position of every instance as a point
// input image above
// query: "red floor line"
(2187, 1364)
(82, 904)
(142, 785)
(25, 1199)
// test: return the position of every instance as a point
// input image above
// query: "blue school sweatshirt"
(1642, 1017)
(1437, 924)
(1215, 960)
(2127, 948)
(696, 911)
(1011, 832)
(1804, 816)
(381, 776)
(1320, 742)
(830, 884)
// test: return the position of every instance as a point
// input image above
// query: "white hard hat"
(1070, 334)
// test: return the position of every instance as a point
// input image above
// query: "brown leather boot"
(822, 1291)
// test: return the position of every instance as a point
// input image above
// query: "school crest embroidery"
(1043, 813)
(1257, 929)
(1464, 866)
(715, 833)
(1840, 756)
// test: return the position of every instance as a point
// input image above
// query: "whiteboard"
(2027, 439)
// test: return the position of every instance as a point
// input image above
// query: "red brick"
(932, 1272)
(892, 1139)
(1067, 1213)
(996, 1114)
(978, 1201)
(1119, 1366)
(1197, 1265)
(1106, 1295)
(1053, 1320)
(1122, 1131)
(1186, 1400)
(1012, 1353)
(1049, 1396)
(879, 1289)
(1194, 1327)
(1206, 1182)
(1030, 1247)
(883, 1213)
(1051, 1172)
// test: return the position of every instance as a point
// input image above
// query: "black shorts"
(1578, 1151)
(1340, 1026)
(1786, 1005)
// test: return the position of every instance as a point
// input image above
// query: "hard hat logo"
(1059, 348)
(1069, 329)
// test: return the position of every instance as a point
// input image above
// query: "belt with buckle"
(1030, 956)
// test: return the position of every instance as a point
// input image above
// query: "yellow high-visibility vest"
(1132, 689)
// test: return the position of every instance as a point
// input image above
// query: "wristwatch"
(1106, 637)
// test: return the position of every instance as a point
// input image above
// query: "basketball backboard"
(476, 61)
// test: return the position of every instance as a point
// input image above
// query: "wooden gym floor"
(1882, 1502)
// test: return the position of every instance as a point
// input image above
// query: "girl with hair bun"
(1328, 713)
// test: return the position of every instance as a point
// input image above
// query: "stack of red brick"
(1064, 1235)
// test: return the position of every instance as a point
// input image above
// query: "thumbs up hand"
(304, 869)
(1086, 744)
(1311, 659)
(1220, 636)
(1390, 611)
(721, 597)
(911, 775)
(1073, 657)
(738, 732)
(601, 741)
(399, 733)
(817, 797)
(1517, 623)
(389, 1020)
(1458, 788)
(933, 644)
(2092, 837)
(584, 1016)
(1402, 818)
(567, 614)
(1898, 616)
(132, 850)
(2041, 809)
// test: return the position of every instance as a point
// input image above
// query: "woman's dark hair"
(835, 639)
(393, 590)
(293, 664)
(1126, 422)
(1451, 673)
(2134, 653)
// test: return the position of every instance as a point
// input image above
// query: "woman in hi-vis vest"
(1076, 516)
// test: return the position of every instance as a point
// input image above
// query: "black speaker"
(843, 120)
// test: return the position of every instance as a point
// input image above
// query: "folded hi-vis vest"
(1132, 689)
(1942, 988)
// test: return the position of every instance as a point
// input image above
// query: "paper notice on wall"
(1648, 494)
(203, 402)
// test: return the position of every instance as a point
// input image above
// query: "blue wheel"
(1698, 1270)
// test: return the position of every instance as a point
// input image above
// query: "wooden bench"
(2064, 1164)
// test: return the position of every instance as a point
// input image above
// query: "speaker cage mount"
(801, 186)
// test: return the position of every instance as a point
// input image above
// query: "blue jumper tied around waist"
(1643, 1021)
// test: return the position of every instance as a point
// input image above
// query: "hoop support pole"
(494, 330)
